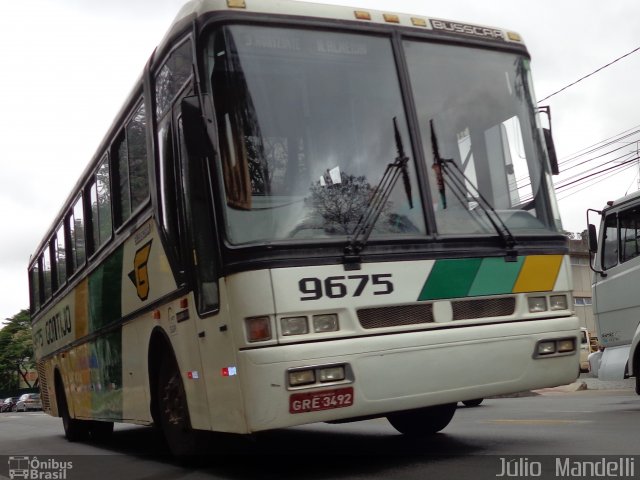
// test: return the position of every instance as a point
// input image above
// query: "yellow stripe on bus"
(538, 274)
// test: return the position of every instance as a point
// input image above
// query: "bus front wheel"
(174, 413)
(423, 421)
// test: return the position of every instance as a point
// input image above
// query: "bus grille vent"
(44, 390)
(397, 316)
(483, 308)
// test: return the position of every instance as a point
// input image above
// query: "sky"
(66, 67)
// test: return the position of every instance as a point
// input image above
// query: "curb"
(572, 387)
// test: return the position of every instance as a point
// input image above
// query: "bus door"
(213, 331)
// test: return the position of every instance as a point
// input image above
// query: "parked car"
(7, 404)
(28, 401)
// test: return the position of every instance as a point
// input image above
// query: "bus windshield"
(476, 111)
(305, 126)
(305, 131)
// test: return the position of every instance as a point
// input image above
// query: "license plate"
(322, 400)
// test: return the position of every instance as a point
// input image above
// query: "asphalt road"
(534, 430)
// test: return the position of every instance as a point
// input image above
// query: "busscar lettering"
(466, 29)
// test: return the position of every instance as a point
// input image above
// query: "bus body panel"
(409, 370)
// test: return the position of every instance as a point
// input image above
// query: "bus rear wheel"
(423, 421)
(74, 430)
(173, 415)
(100, 431)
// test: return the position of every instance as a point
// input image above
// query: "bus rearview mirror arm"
(548, 140)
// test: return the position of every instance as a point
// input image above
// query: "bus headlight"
(325, 323)
(537, 304)
(301, 377)
(558, 302)
(566, 345)
(331, 374)
(294, 326)
(547, 348)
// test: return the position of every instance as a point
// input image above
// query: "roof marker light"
(391, 18)
(514, 36)
(362, 15)
(418, 22)
(236, 4)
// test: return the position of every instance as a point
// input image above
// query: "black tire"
(472, 403)
(423, 421)
(74, 430)
(173, 412)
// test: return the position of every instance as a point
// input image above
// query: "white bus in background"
(616, 289)
(308, 213)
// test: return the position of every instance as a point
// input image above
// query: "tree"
(16, 351)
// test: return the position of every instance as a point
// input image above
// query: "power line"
(590, 74)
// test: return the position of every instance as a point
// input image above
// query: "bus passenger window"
(60, 257)
(122, 192)
(34, 284)
(75, 223)
(100, 206)
(610, 243)
(172, 77)
(137, 154)
(46, 271)
(131, 180)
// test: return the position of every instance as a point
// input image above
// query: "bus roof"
(343, 13)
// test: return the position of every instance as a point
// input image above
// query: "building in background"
(579, 255)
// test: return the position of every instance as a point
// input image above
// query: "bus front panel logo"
(140, 273)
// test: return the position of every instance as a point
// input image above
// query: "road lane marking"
(534, 421)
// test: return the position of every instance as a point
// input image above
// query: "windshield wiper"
(377, 202)
(458, 184)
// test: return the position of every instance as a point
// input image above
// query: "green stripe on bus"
(496, 277)
(105, 288)
(450, 278)
(106, 376)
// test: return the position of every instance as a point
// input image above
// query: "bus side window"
(610, 242)
(130, 174)
(100, 207)
(75, 225)
(629, 233)
(34, 284)
(47, 274)
(60, 257)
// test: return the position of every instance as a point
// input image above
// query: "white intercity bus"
(616, 307)
(308, 213)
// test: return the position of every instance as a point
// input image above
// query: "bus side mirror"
(593, 238)
(551, 151)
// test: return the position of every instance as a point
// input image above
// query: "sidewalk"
(586, 382)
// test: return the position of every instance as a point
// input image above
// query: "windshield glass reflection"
(305, 129)
(478, 105)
